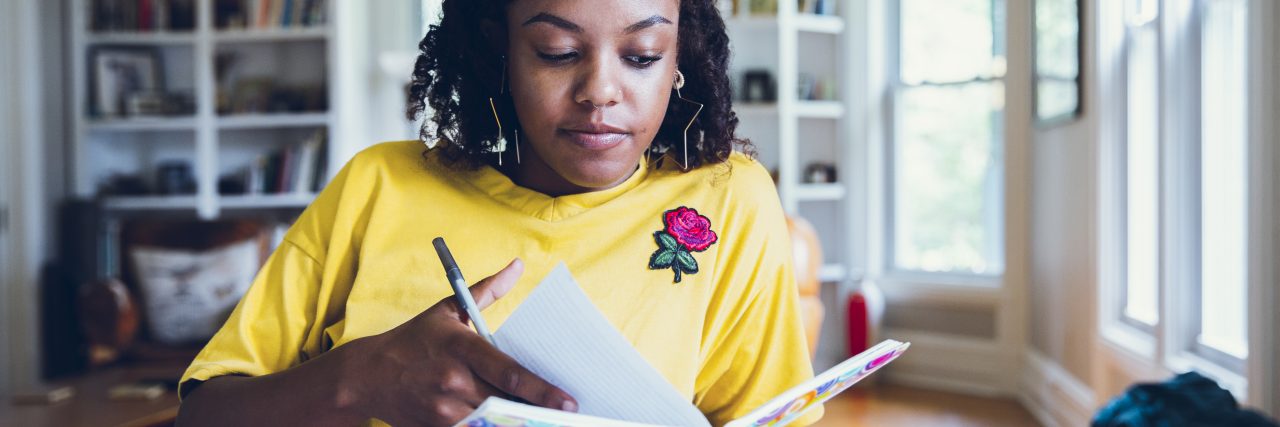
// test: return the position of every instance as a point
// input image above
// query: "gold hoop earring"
(501, 143)
(677, 84)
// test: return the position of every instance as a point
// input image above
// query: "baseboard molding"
(953, 364)
(1054, 396)
(942, 383)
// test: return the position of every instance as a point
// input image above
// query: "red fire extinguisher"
(865, 309)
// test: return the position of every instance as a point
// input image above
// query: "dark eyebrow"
(553, 20)
(648, 22)
(569, 26)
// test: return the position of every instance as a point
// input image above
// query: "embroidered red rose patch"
(684, 232)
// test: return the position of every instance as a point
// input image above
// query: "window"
(1223, 182)
(1177, 188)
(945, 170)
(1057, 59)
(1142, 171)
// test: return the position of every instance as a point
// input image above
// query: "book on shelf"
(817, 7)
(297, 169)
(142, 15)
(559, 335)
(265, 14)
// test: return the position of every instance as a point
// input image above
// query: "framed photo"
(758, 86)
(119, 74)
(1058, 57)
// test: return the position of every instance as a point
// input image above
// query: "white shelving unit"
(212, 144)
(271, 35)
(790, 133)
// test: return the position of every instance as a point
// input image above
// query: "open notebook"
(560, 335)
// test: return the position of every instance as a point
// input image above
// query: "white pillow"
(188, 294)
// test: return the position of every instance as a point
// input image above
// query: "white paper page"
(501, 412)
(560, 335)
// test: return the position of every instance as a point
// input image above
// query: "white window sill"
(1135, 343)
(916, 278)
(971, 292)
(1237, 384)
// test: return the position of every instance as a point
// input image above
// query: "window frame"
(1136, 326)
(1172, 344)
(1263, 365)
(1184, 348)
(895, 86)
(1194, 154)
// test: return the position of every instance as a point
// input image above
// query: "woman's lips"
(595, 140)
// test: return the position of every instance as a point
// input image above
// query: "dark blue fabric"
(1189, 400)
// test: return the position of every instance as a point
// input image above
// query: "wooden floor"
(892, 405)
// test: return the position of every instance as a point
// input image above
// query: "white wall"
(1062, 300)
(1062, 272)
(1266, 129)
(1062, 291)
(1063, 232)
(7, 128)
(31, 48)
(398, 32)
(369, 102)
(32, 170)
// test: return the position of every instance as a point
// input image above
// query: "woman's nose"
(598, 85)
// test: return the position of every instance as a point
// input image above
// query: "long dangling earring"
(679, 83)
(502, 139)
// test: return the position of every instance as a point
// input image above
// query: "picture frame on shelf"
(820, 173)
(121, 73)
(249, 95)
(758, 86)
(1058, 57)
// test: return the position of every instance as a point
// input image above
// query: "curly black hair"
(459, 68)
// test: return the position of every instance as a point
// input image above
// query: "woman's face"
(590, 80)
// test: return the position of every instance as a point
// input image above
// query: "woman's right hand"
(435, 369)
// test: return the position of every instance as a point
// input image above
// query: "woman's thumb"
(493, 287)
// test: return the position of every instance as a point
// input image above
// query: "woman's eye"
(643, 61)
(557, 58)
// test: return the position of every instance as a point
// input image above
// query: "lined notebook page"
(560, 335)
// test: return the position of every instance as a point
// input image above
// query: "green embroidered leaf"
(662, 259)
(686, 262)
(665, 241)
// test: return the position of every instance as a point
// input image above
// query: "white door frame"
(21, 160)
(6, 124)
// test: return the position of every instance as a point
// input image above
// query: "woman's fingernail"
(568, 406)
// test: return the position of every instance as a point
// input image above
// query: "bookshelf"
(800, 43)
(220, 89)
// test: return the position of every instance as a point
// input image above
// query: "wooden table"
(90, 405)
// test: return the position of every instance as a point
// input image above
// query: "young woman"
(598, 133)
